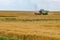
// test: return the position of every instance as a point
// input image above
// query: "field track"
(45, 29)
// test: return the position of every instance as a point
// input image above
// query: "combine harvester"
(41, 11)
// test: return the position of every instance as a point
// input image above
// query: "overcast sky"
(53, 5)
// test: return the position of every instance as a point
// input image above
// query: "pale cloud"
(55, 0)
(52, 5)
(7, 2)
(30, 4)
(52, 0)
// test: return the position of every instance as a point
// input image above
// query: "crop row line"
(14, 19)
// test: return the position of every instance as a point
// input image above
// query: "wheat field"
(27, 26)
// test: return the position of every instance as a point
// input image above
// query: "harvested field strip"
(13, 19)
(7, 16)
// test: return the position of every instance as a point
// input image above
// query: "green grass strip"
(8, 38)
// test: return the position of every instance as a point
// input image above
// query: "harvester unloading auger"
(41, 11)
